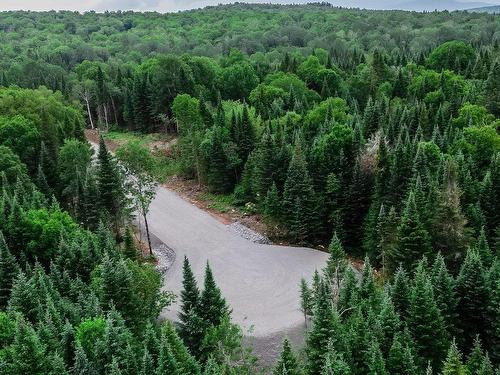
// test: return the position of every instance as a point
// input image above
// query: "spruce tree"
(336, 263)
(213, 307)
(306, 299)
(450, 235)
(109, 183)
(493, 89)
(129, 249)
(376, 363)
(191, 324)
(400, 360)
(287, 363)
(400, 293)
(28, 353)
(335, 363)
(326, 326)
(299, 202)
(453, 363)
(443, 285)
(476, 357)
(425, 321)
(8, 272)
(272, 204)
(185, 362)
(414, 240)
(473, 298)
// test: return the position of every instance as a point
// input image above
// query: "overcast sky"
(167, 5)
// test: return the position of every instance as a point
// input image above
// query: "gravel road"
(260, 282)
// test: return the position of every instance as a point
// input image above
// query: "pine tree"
(109, 184)
(191, 324)
(8, 272)
(400, 293)
(444, 292)
(272, 205)
(287, 363)
(129, 249)
(450, 236)
(299, 201)
(213, 306)
(400, 360)
(425, 321)
(306, 299)
(414, 241)
(335, 363)
(27, 354)
(483, 248)
(376, 364)
(473, 298)
(325, 326)
(453, 363)
(493, 89)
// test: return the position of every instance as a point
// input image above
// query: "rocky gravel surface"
(249, 234)
(165, 256)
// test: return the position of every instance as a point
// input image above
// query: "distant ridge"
(430, 5)
(494, 9)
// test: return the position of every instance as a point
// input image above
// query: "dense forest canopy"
(375, 132)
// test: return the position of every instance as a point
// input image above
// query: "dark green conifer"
(213, 307)
(191, 324)
(414, 240)
(425, 321)
(473, 298)
(287, 363)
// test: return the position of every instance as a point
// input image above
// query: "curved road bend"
(260, 282)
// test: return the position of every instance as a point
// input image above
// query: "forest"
(375, 134)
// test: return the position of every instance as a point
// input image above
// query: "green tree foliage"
(287, 364)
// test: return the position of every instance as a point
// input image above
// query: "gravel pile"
(165, 256)
(249, 234)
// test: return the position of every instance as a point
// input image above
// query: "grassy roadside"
(160, 145)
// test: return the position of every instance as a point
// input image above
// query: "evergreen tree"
(453, 363)
(400, 360)
(8, 272)
(425, 321)
(450, 236)
(476, 357)
(191, 324)
(213, 307)
(444, 292)
(414, 241)
(492, 89)
(272, 205)
(27, 355)
(335, 364)
(376, 364)
(483, 248)
(473, 297)
(400, 293)
(129, 249)
(325, 327)
(109, 184)
(299, 201)
(287, 363)
(306, 299)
